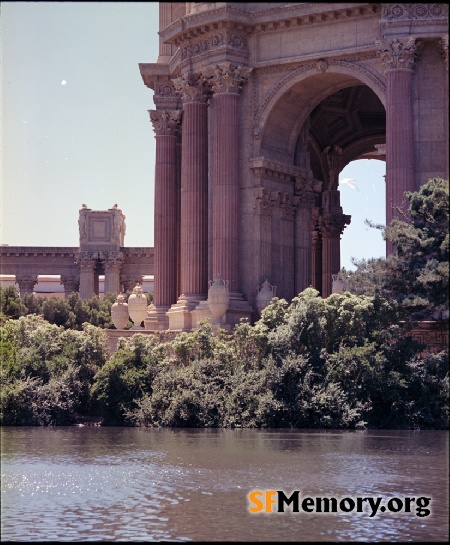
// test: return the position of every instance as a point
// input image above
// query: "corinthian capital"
(165, 122)
(226, 77)
(333, 225)
(399, 55)
(191, 87)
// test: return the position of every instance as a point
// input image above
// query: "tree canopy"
(416, 275)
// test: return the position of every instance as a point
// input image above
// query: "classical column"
(331, 228)
(304, 188)
(166, 125)
(264, 204)
(26, 282)
(226, 80)
(194, 200)
(71, 283)
(113, 266)
(398, 56)
(87, 264)
(287, 244)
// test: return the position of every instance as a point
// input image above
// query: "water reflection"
(112, 484)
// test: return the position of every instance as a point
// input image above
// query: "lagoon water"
(137, 484)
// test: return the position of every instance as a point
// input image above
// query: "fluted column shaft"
(331, 227)
(398, 57)
(194, 187)
(226, 80)
(113, 266)
(399, 140)
(167, 196)
(226, 189)
(88, 282)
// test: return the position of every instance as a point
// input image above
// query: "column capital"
(71, 282)
(264, 200)
(399, 55)
(113, 259)
(26, 281)
(192, 88)
(86, 260)
(288, 205)
(333, 225)
(166, 122)
(226, 77)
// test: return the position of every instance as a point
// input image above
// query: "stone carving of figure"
(82, 222)
(118, 225)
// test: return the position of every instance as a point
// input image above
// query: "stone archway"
(320, 118)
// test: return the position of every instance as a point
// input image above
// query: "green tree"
(417, 274)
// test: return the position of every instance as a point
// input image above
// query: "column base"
(180, 315)
(189, 311)
(157, 319)
(237, 309)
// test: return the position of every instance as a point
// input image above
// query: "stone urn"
(266, 292)
(119, 312)
(137, 306)
(218, 298)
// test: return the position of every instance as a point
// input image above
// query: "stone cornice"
(260, 165)
(138, 251)
(34, 251)
(232, 18)
(56, 251)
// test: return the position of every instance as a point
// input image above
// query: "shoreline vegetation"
(344, 362)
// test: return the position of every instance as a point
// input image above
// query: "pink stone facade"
(258, 108)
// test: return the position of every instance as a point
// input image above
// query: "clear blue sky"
(75, 127)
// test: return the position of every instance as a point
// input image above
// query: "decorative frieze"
(166, 123)
(399, 54)
(215, 41)
(414, 12)
(266, 200)
(226, 77)
(165, 89)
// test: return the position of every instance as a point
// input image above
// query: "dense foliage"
(46, 371)
(340, 362)
(71, 313)
(417, 274)
(346, 361)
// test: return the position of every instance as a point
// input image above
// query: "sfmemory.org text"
(277, 501)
